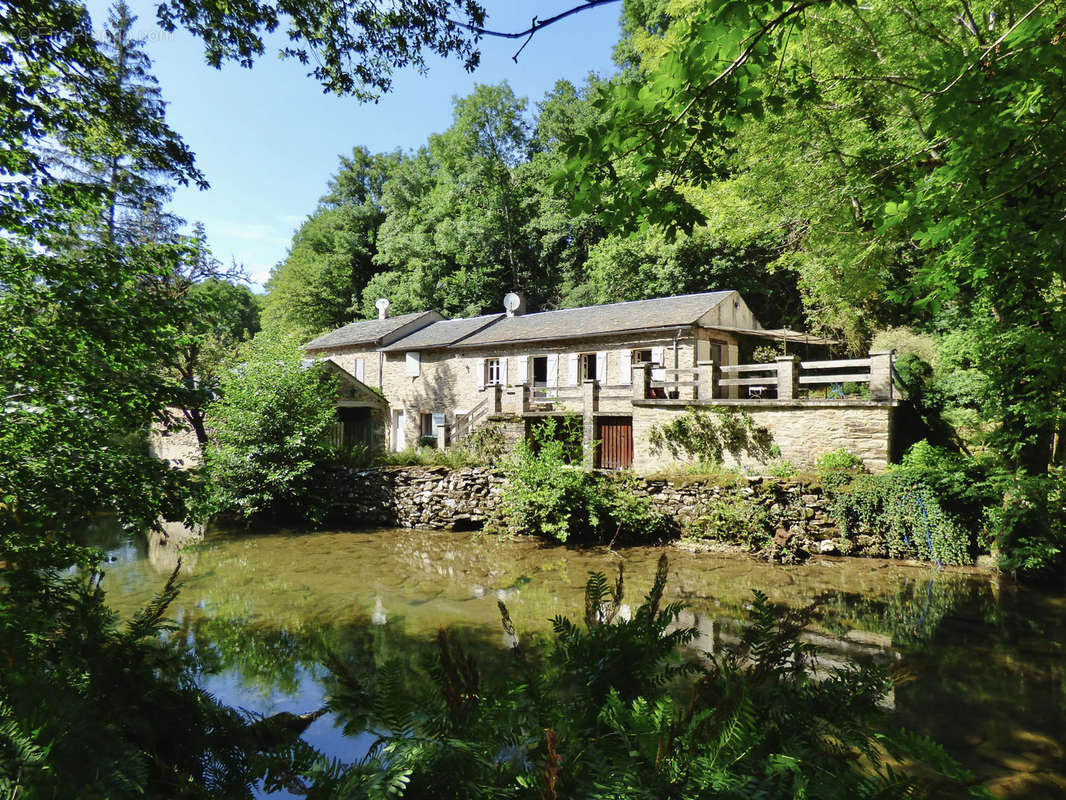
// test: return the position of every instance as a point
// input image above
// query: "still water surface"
(985, 660)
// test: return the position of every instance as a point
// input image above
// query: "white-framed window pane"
(492, 371)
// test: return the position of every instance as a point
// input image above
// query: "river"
(984, 659)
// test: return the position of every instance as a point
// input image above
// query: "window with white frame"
(642, 356)
(492, 372)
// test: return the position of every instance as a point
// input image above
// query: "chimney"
(514, 304)
(382, 305)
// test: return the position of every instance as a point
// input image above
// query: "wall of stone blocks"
(798, 516)
(802, 431)
(179, 448)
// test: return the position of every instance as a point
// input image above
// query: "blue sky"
(268, 139)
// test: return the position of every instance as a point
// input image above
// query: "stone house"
(623, 367)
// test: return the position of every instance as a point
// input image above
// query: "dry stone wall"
(797, 514)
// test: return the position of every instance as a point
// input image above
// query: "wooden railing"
(464, 423)
(787, 378)
(757, 386)
(675, 380)
(820, 374)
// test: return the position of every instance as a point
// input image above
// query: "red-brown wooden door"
(615, 435)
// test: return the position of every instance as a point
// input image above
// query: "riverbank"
(785, 519)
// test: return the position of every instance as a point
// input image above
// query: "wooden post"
(708, 380)
(787, 377)
(881, 375)
(443, 439)
(641, 381)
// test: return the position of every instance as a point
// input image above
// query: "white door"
(399, 436)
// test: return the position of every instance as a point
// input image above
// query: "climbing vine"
(905, 512)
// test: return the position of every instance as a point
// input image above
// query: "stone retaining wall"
(803, 430)
(797, 515)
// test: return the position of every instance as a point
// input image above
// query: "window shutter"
(553, 370)
(625, 367)
(359, 369)
(523, 370)
(657, 356)
(503, 370)
(572, 369)
(438, 423)
(414, 364)
(479, 367)
(601, 367)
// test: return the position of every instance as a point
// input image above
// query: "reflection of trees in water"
(269, 658)
(909, 612)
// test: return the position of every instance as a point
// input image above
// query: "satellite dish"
(512, 302)
(382, 305)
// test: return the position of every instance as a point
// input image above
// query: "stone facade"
(639, 369)
(802, 430)
(451, 381)
(797, 515)
(179, 448)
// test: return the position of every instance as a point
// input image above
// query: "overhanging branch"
(534, 25)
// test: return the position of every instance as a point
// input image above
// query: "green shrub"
(838, 468)
(706, 435)
(903, 511)
(269, 434)
(545, 496)
(782, 468)
(735, 519)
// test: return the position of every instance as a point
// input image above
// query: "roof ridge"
(629, 302)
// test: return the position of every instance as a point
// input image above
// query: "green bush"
(782, 468)
(739, 520)
(903, 511)
(269, 434)
(838, 468)
(545, 496)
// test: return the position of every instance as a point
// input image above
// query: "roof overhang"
(779, 334)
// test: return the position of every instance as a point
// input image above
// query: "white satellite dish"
(382, 305)
(512, 302)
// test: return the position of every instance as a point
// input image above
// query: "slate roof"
(572, 323)
(443, 333)
(369, 330)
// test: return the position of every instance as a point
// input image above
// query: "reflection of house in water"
(831, 652)
(171, 544)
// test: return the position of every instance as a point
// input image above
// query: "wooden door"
(615, 435)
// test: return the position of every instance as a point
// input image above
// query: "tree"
(909, 154)
(321, 282)
(86, 708)
(221, 317)
(270, 428)
(454, 213)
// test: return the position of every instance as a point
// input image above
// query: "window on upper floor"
(492, 372)
(588, 366)
(642, 356)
